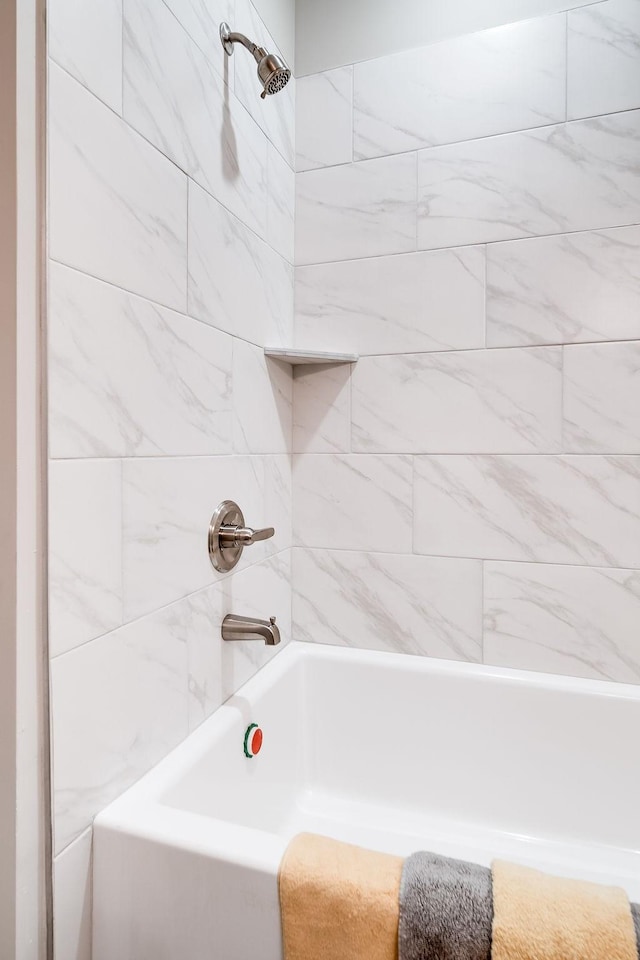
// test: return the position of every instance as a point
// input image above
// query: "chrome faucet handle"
(243, 536)
(228, 536)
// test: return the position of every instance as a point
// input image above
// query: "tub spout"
(248, 628)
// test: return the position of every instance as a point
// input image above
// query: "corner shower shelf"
(298, 357)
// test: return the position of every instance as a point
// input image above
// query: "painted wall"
(33, 835)
(334, 33)
(467, 220)
(25, 868)
(8, 478)
(171, 192)
(281, 17)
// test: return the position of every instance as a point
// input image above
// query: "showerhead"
(273, 73)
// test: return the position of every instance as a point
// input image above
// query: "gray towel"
(446, 909)
(635, 913)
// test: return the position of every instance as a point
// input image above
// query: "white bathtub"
(392, 752)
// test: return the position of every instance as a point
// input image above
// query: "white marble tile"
(400, 304)
(345, 502)
(510, 78)
(324, 119)
(86, 40)
(72, 899)
(262, 401)
(175, 98)
(358, 210)
(167, 506)
(201, 19)
(203, 613)
(417, 605)
(562, 619)
(563, 509)
(262, 590)
(117, 209)
(479, 401)
(281, 199)
(119, 704)
(602, 398)
(575, 176)
(130, 378)
(215, 670)
(603, 47)
(85, 563)
(218, 668)
(276, 114)
(237, 283)
(582, 286)
(278, 484)
(322, 408)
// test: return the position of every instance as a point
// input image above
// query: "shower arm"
(257, 52)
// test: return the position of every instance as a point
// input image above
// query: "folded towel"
(540, 917)
(445, 910)
(338, 902)
(635, 913)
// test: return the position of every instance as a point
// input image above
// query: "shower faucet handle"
(231, 536)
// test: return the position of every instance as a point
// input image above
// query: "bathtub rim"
(221, 720)
(193, 746)
(141, 810)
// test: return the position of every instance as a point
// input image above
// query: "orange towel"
(540, 917)
(338, 902)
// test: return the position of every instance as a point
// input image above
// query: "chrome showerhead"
(273, 73)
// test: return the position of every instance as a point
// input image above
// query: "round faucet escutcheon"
(252, 741)
(229, 535)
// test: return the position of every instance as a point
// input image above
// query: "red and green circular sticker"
(252, 740)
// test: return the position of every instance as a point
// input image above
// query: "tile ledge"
(297, 357)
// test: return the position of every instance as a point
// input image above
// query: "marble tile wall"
(171, 204)
(468, 221)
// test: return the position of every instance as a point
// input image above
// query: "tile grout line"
(353, 113)
(413, 506)
(171, 603)
(562, 403)
(455, 351)
(482, 610)
(351, 373)
(378, 454)
(566, 66)
(122, 49)
(528, 238)
(186, 265)
(547, 125)
(122, 540)
(460, 558)
(485, 298)
(417, 202)
(155, 303)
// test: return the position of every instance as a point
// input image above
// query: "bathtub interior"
(218, 781)
(400, 754)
